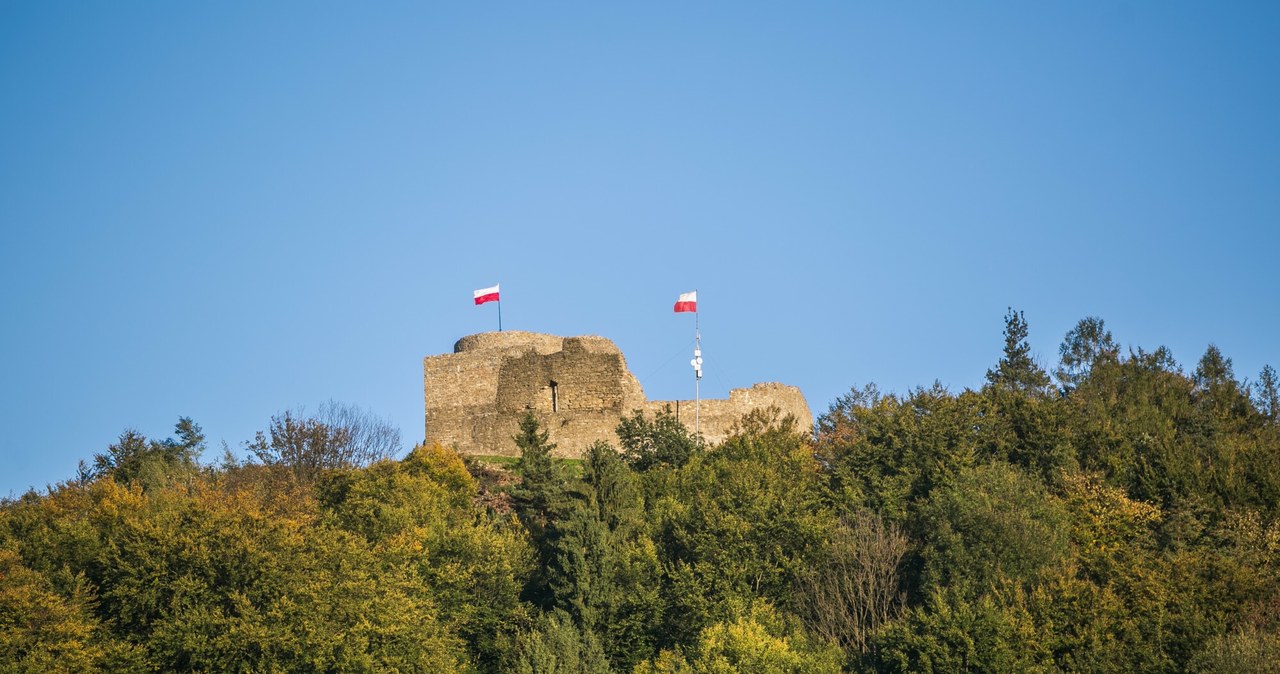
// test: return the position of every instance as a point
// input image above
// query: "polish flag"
(486, 295)
(687, 302)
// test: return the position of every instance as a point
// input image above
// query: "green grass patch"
(573, 467)
(504, 461)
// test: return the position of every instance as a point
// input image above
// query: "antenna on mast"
(689, 302)
(697, 372)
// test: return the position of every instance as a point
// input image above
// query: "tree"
(539, 500)
(994, 522)
(739, 523)
(338, 436)
(953, 633)
(134, 459)
(661, 442)
(535, 451)
(1017, 370)
(1247, 651)
(541, 484)
(1267, 394)
(197, 578)
(41, 630)
(1214, 369)
(1086, 344)
(603, 568)
(854, 588)
(419, 513)
(888, 453)
(557, 646)
(763, 640)
(1216, 387)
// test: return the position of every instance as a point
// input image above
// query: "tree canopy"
(1122, 517)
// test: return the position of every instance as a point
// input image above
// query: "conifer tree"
(536, 494)
(535, 453)
(1213, 370)
(1267, 396)
(538, 500)
(1017, 371)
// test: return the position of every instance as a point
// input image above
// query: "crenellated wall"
(579, 388)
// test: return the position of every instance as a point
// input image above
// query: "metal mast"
(697, 372)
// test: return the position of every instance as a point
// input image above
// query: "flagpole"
(499, 313)
(689, 302)
(697, 372)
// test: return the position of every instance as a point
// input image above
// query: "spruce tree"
(1017, 371)
(538, 501)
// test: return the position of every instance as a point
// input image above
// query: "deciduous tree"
(338, 436)
(664, 441)
(1089, 342)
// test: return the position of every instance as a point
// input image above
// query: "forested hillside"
(1115, 512)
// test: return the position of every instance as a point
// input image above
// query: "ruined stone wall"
(578, 388)
(717, 417)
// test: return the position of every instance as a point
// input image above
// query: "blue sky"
(223, 210)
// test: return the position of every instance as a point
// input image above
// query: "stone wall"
(579, 388)
(717, 416)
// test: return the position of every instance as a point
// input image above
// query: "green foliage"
(42, 630)
(1028, 431)
(1193, 445)
(538, 500)
(739, 522)
(1225, 400)
(953, 633)
(1248, 651)
(535, 450)
(556, 646)
(1129, 522)
(542, 483)
(149, 463)
(662, 442)
(418, 515)
(210, 580)
(1017, 371)
(1267, 394)
(889, 454)
(993, 525)
(1087, 344)
(762, 640)
(604, 570)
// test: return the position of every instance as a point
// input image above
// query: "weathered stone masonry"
(579, 388)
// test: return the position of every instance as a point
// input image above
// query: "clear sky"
(223, 210)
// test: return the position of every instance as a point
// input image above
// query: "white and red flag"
(687, 302)
(486, 295)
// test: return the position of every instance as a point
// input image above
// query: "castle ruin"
(579, 389)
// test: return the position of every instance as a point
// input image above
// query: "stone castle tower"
(579, 389)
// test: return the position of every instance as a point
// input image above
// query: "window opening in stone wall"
(555, 401)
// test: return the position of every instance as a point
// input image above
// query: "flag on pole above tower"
(486, 295)
(687, 302)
